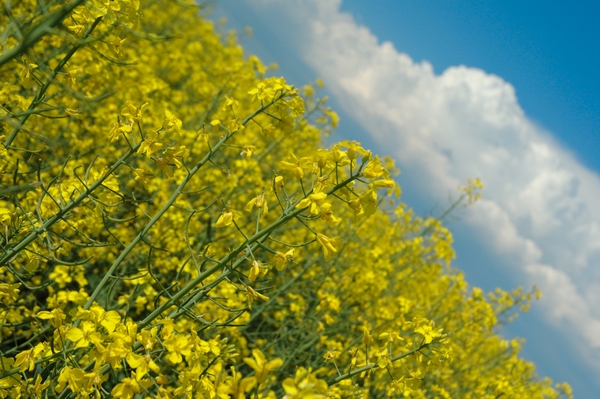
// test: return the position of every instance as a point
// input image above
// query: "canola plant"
(172, 226)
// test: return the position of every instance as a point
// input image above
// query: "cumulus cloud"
(540, 208)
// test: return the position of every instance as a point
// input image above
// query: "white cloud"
(540, 208)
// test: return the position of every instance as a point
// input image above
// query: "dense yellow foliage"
(170, 227)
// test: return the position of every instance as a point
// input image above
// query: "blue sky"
(507, 91)
(550, 52)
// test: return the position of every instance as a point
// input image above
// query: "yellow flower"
(339, 157)
(71, 376)
(230, 103)
(369, 202)
(248, 151)
(304, 385)
(320, 160)
(172, 122)
(356, 206)
(327, 244)
(262, 92)
(203, 135)
(110, 320)
(260, 202)
(327, 215)
(354, 151)
(142, 176)
(383, 358)
(313, 200)
(472, 190)
(261, 366)
(251, 295)
(150, 145)
(279, 181)
(118, 129)
(172, 154)
(257, 269)
(239, 386)
(295, 165)
(391, 337)
(367, 337)
(126, 389)
(177, 345)
(134, 114)
(35, 388)
(147, 338)
(74, 113)
(226, 218)
(282, 260)
(426, 330)
(320, 184)
(375, 169)
(56, 317)
(9, 290)
(27, 77)
(398, 387)
(215, 123)
(26, 359)
(387, 183)
(85, 335)
(331, 355)
(141, 364)
(163, 164)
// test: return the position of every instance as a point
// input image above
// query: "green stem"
(164, 209)
(40, 94)
(63, 211)
(39, 31)
(283, 219)
(368, 367)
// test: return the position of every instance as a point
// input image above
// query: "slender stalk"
(283, 219)
(40, 94)
(39, 31)
(64, 210)
(166, 207)
(368, 367)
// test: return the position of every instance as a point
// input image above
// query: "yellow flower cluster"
(171, 227)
